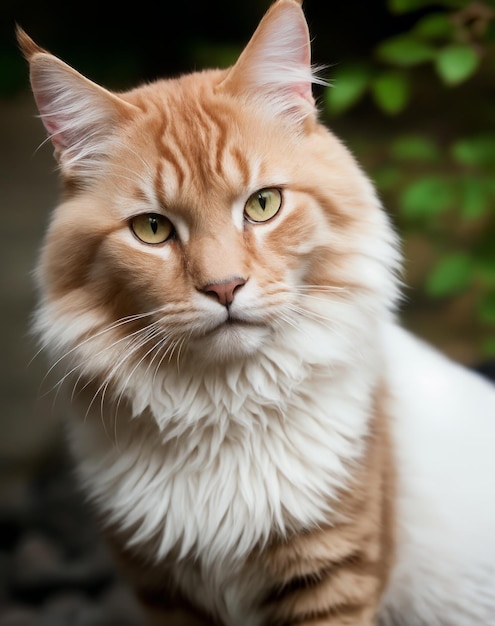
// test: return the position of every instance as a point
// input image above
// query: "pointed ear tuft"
(28, 47)
(275, 67)
(79, 115)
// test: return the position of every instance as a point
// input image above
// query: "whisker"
(323, 288)
(156, 332)
(181, 343)
(81, 365)
(169, 351)
(120, 322)
(138, 342)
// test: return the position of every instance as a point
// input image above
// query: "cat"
(262, 441)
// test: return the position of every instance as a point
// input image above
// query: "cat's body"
(262, 441)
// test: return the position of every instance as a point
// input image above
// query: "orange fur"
(336, 575)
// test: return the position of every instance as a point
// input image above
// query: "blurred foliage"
(442, 184)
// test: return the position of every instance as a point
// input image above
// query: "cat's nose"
(224, 291)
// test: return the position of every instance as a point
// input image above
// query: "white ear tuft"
(275, 67)
(79, 115)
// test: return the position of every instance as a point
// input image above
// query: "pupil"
(154, 224)
(262, 201)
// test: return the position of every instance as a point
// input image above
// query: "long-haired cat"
(262, 441)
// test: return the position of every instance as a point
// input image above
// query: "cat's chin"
(229, 341)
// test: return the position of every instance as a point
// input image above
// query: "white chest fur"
(219, 461)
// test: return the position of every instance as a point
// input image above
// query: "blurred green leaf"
(453, 4)
(490, 185)
(388, 177)
(488, 346)
(456, 63)
(434, 26)
(391, 92)
(485, 260)
(350, 84)
(415, 148)
(404, 6)
(475, 198)
(405, 51)
(486, 308)
(450, 276)
(427, 197)
(490, 32)
(475, 151)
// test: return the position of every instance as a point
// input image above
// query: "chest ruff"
(331, 573)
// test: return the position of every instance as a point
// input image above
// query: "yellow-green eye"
(263, 205)
(151, 228)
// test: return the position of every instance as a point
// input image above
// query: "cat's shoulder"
(442, 420)
(423, 373)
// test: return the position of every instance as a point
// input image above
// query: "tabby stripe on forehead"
(158, 182)
(223, 121)
(242, 165)
(214, 138)
(221, 126)
(164, 139)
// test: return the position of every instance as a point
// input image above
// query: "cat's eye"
(263, 205)
(151, 228)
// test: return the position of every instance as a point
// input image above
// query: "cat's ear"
(79, 115)
(275, 66)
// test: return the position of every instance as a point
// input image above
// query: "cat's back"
(443, 433)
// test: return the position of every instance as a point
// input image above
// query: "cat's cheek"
(300, 227)
(151, 268)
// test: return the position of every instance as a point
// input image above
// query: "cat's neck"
(243, 431)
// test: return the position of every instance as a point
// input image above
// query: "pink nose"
(225, 290)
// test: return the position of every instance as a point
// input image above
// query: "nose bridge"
(216, 257)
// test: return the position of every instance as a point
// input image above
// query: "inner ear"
(79, 116)
(275, 66)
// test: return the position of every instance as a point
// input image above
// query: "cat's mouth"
(234, 322)
(233, 337)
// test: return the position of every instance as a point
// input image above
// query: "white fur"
(241, 449)
(444, 443)
(215, 454)
(217, 491)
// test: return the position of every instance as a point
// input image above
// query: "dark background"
(120, 47)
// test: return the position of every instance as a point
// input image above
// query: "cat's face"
(206, 217)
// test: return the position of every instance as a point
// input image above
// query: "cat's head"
(209, 217)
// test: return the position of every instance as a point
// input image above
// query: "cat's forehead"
(196, 142)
